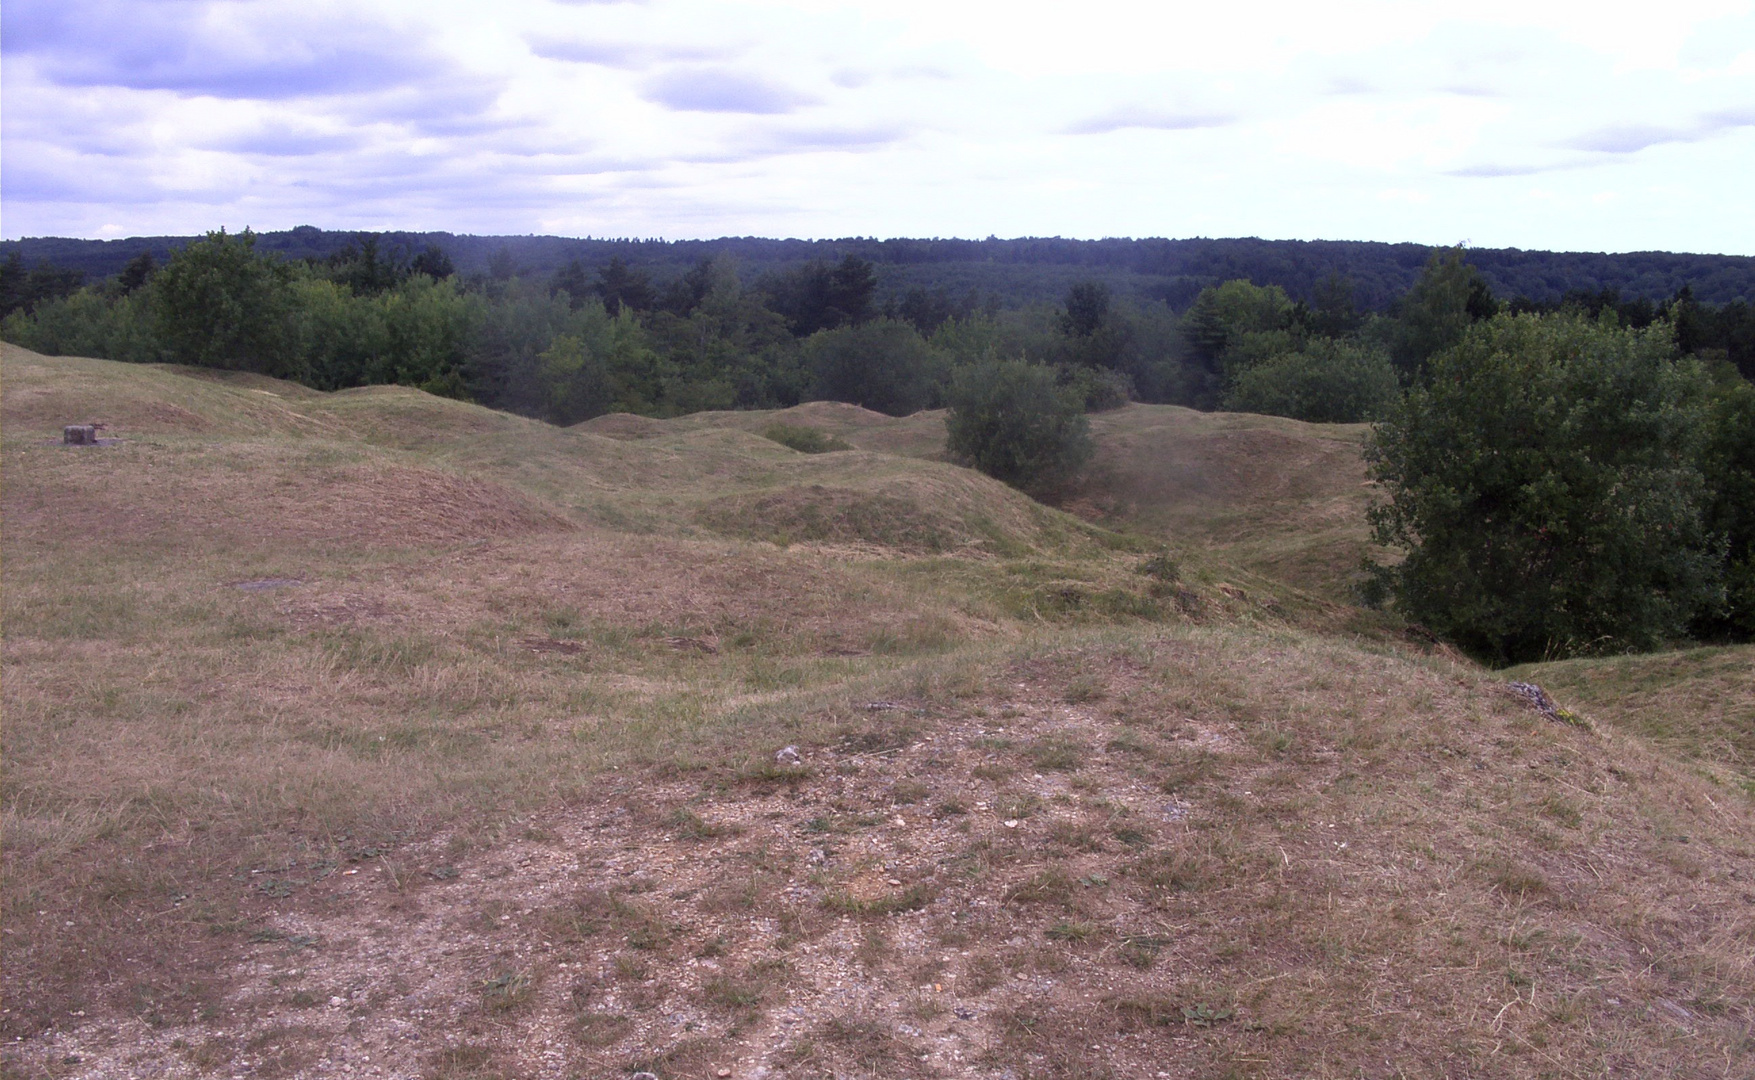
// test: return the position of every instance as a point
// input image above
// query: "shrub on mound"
(1009, 419)
(1544, 483)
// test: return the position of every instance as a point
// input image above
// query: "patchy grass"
(490, 750)
(806, 440)
(1698, 703)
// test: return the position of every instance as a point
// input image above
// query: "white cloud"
(1366, 119)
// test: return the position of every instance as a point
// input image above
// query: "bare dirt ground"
(1078, 871)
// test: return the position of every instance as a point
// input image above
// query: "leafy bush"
(1100, 389)
(218, 303)
(1543, 482)
(87, 323)
(1329, 382)
(806, 440)
(1222, 315)
(1728, 462)
(883, 365)
(1010, 420)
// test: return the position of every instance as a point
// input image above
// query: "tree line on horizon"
(613, 337)
(1015, 272)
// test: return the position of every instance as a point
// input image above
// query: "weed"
(744, 992)
(600, 1029)
(1075, 835)
(913, 898)
(773, 772)
(1203, 1015)
(1083, 689)
(507, 990)
(1128, 743)
(691, 826)
(1058, 754)
(1512, 878)
(1189, 770)
(982, 973)
(1173, 870)
(904, 792)
(1562, 810)
(1049, 886)
(1161, 567)
(1141, 950)
(464, 1063)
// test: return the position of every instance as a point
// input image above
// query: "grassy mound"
(1696, 703)
(919, 508)
(478, 728)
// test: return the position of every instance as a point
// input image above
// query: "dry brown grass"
(1698, 703)
(498, 768)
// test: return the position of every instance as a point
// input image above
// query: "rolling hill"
(379, 734)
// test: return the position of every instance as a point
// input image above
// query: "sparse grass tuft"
(1058, 753)
(507, 990)
(911, 898)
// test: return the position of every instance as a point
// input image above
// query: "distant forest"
(1006, 273)
(570, 329)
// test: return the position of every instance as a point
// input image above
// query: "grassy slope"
(1695, 703)
(1275, 496)
(1369, 854)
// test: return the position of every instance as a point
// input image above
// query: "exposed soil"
(992, 888)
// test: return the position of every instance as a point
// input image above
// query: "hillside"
(379, 734)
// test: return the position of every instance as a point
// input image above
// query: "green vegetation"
(1009, 420)
(1327, 382)
(806, 440)
(1544, 480)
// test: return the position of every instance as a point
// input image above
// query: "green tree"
(1450, 296)
(87, 323)
(1543, 481)
(882, 364)
(217, 303)
(1728, 461)
(1222, 315)
(1010, 419)
(1328, 382)
(1333, 312)
(427, 330)
(1087, 305)
(340, 337)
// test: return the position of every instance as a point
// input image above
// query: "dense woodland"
(645, 333)
(1568, 474)
(1010, 273)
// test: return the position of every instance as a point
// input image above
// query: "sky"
(1607, 126)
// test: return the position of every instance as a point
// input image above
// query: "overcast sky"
(1524, 123)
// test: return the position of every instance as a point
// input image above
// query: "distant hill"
(1024, 270)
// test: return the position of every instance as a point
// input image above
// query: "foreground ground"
(371, 734)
